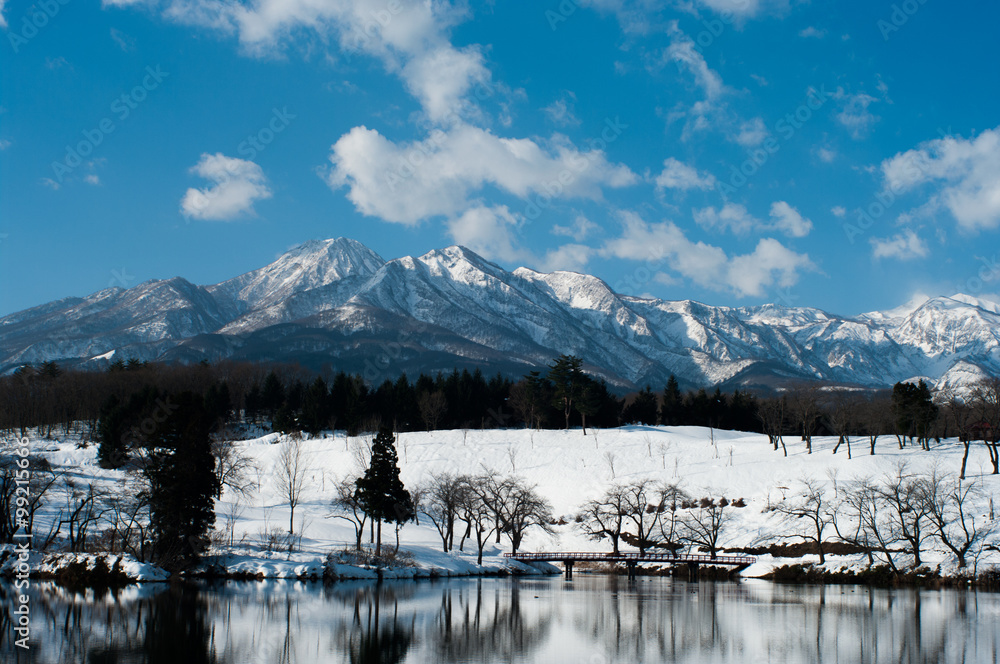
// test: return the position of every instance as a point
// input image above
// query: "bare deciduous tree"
(290, 475)
(704, 524)
(346, 506)
(814, 506)
(952, 515)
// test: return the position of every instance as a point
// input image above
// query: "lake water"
(589, 620)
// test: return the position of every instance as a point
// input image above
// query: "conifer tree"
(380, 492)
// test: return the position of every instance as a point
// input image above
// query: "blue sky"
(843, 155)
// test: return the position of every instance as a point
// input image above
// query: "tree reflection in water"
(589, 619)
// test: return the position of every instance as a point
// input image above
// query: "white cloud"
(854, 114)
(904, 246)
(92, 178)
(752, 133)
(812, 32)
(406, 183)
(683, 51)
(3, 21)
(678, 175)
(562, 111)
(967, 172)
(50, 183)
(736, 219)
(488, 231)
(839, 211)
(770, 264)
(732, 217)
(4, 144)
(411, 39)
(572, 257)
(236, 185)
(826, 155)
(578, 230)
(746, 8)
(787, 220)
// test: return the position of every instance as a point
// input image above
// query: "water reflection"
(588, 620)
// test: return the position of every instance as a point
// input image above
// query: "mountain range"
(339, 304)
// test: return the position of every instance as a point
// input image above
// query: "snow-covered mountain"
(336, 302)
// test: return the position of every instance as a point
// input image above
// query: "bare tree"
(346, 507)
(858, 520)
(842, 418)
(643, 503)
(605, 516)
(432, 406)
(902, 494)
(704, 524)
(962, 415)
(804, 408)
(952, 515)
(813, 506)
(523, 509)
(771, 413)
(477, 513)
(441, 501)
(671, 498)
(290, 475)
(986, 405)
(233, 468)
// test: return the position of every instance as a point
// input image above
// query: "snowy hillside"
(337, 302)
(568, 469)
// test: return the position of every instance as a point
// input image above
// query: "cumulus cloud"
(408, 182)
(572, 257)
(964, 172)
(903, 246)
(751, 133)
(770, 264)
(811, 31)
(409, 37)
(578, 230)
(235, 185)
(678, 175)
(3, 21)
(787, 220)
(736, 219)
(488, 231)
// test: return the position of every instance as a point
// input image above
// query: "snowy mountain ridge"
(337, 302)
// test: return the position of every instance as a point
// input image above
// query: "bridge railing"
(562, 556)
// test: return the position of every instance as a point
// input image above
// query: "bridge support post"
(568, 564)
(692, 572)
(630, 569)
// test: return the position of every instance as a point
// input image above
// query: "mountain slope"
(336, 302)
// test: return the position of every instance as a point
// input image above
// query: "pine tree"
(380, 492)
(182, 481)
(673, 403)
(567, 376)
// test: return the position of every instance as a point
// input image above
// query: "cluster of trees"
(163, 512)
(476, 506)
(655, 515)
(898, 513)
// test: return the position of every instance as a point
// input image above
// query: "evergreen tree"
(272, 395)
(380, 492)
(643, 408)
(316, 407)
(182, 481)
(673, 403)
(567, 378)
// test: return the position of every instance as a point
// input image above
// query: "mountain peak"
(306, 266)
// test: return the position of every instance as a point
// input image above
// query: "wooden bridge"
(693, 561)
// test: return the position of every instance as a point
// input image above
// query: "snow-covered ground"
(568, 469)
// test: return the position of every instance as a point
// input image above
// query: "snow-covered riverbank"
(567, 467)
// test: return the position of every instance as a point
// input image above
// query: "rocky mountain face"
(338, 303)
